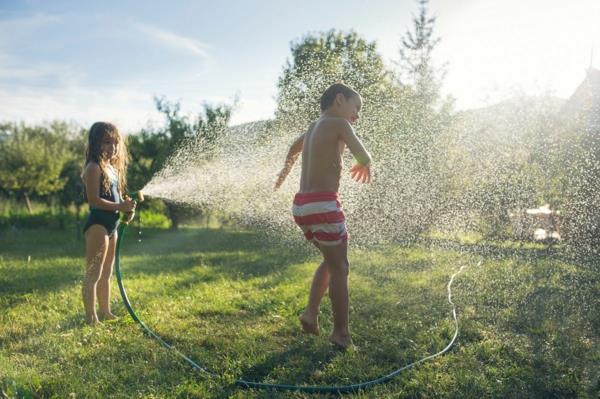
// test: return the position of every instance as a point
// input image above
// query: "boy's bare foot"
(309, 324)
(107, 316)
(343, 342)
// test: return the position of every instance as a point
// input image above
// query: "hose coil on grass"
(279, 387)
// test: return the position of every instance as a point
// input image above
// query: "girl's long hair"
(93, 153)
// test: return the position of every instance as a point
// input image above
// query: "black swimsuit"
(108, 219)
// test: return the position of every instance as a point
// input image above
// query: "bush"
(153, 219)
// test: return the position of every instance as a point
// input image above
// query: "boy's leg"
(96, 245)
(320, 282)
(103, 288)
(337, 259)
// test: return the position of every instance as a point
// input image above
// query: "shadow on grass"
(500, 250)
(187, 239)
(297, 364)
(557, 325)
(46, 278)
(305, 359)
(234, 254)
(229, 253)
(40, 242)
(494, 249)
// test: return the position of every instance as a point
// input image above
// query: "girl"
(104, 181)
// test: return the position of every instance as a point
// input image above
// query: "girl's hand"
(128, 205)
(361, 173)
(129, 217)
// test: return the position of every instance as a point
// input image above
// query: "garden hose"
(279, 387)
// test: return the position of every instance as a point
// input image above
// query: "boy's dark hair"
(332, 91)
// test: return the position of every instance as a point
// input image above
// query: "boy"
(317, 209)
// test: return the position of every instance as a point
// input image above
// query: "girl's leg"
(96, 246)
(320, 282)
(103, 289)
(337, 260)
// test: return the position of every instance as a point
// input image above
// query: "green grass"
(529, 320)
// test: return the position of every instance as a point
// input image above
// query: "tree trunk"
(61, 217)
(28, 203)
(172, 214)
(77, 224)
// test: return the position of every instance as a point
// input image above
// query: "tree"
(31, 161)
(72, 192)
(582, 213)
(416, 67)
(321, 59)
(74, 140)
(416, 72)
(427, 119)
(502, 160)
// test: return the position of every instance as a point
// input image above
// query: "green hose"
(259, 385)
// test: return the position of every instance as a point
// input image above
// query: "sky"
(83, 61)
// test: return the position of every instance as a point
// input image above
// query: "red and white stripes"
(320, 217)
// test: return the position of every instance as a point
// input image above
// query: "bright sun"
(498, 49)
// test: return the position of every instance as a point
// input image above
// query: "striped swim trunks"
(320, 217)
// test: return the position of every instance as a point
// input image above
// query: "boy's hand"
(361, 173)
(280, 178)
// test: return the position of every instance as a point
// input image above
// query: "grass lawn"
(529, 321)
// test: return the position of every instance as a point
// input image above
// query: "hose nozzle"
(137, 196)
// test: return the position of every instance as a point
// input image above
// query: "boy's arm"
(292, 155)
(362, 170)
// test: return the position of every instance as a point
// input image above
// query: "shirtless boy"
(317, 208)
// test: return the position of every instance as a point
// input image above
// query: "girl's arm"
(91, 177)
(292, 155)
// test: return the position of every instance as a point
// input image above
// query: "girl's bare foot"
(92, 321)
(107, 316)
(310, 324)
(342, 341)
